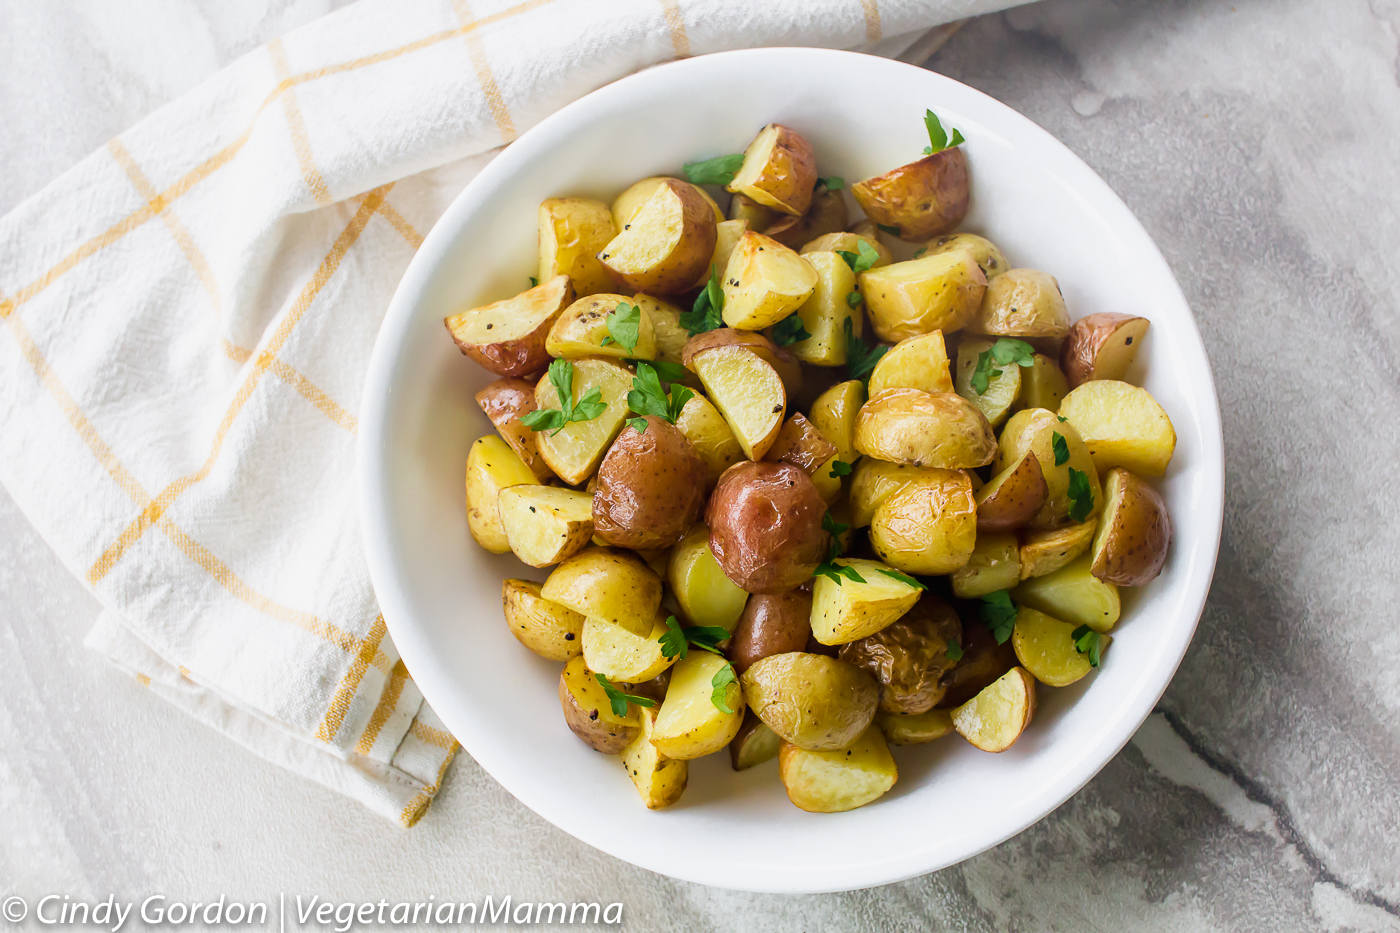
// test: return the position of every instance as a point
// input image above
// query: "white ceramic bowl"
(441, 594)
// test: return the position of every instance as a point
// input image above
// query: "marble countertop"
(1256, 140)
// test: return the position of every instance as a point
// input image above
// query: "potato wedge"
(754, 744)
(920, 200)
(1012, 497)
(1036, 430)
(660, 780)
(1134, 534)
(689, 725)
(847, 241)
(982, 662)
(914, 728)
(995, 718)
(548, 629)
(1101, 346)
(832, 782)
(667, 243)
(748, 393)
(779, 171)
(572, 232)
(491, 467)
(582, 330)
(773, 623)
(984, 251)
(909, 657)
(651, 487)
(765, 523)
(826, 214)
(814, 702)
(825, 312)
(914, 363)
(758, 217)
(545, 524)
(575, 451)
(827, 481)
(504, 402)
(615, 586)
(846, 611)
(1045, 647)
(508, 337)
(711, 436)
(1122, 425)
(764, 282)
(934, 429)
(801, 444)
(1022, 303)
(706, 596)
(727, 237)
(874, 481)
(622, 657)
(666, 327)
(1003, 386)
(834, 413)
(787, 366)
(1072, 594)
(928, 527)
(588, 711)
(626, 205)
(1042, 384)
(995, 564)
(1048, 550)
(917, 296)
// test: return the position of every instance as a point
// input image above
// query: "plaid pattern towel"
(186, 317)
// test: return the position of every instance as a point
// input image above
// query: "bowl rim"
(417, 653)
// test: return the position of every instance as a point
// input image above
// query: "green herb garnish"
(1087, 641)
(722, 679)
(1061, 448)
(901, 577)
(676, 641)
(999, 614)
(534, 282)
(955, 650)
(831, 182)
(840, 468)
(1005, 351)
(937, 136)
(717, 171)
(860, 359)
(649, 398)
(618, 699)
(1081, 496)
(673, 640)
(920, 251)
(854, 299)
(707, 637)
(706, 315)
(624, 326)
(863, 259)
(835, 572)
(590, 406)
(789, 331)
(669, 372)
(889, 228)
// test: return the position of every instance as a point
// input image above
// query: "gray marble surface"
(1257, 141)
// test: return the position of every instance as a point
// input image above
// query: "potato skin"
(826, 214)
(923, 199)
(1134, 534)
(650, 489)
(1022, 303)
(928, 527)
(984, 251)
(523, 355)
(588, 716)
(1080, 354)
(785, 179)
(1008, 502)
(772, 623)
(765, 523)
(937, 429)
(814, 702)
(504, 402)
(786, 365)
(983, 661)
(678, 270)
(909, 657)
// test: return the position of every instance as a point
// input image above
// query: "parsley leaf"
(835, 572)
(1061, 448)
(590, 406)
(649, 398)
(717, 171)
(863, 260)
(832, 182)
(534, 281)
(889, 228)
(676, 641)
(920, 251)
(709, 305)
(624, 322)
(937, 136)
(901, 577)
(722, 679)
(1062, 418)
(1005, 351)
(618, 699)
(673, 640)
(860, 359)
(789, 331)
(707, 637)
(834, 528)
(639, 424)
(669, 372)
(854, 299)
(999, 614)
(840, 468)
(1081, 496)
(1087, 641)
(955, 650)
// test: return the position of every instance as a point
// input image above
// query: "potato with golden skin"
(491, 467)
(918, 296)
(612, 585)
(706, 596)
(814, 702)
(622, 657)
(508, 337)
(920, 200)
(935, 429)
(765, 522)
(995, 718)
(851, 609)
(909, 657)
(784, 363)
(753, 744)
(727, 236)
(834, 413)
(572, 231)
(758, 217)
(914, 728)
(660, 780)
(763, 282)
(1101, 346)
(779, 171)
(1024, 303)
(545, 524)
(914, 363)
(986, 254)
(1122, 425)
(582, 330)
(690, 724)
(1046, 550)
(667, 243)
(1134, 533)
(505, 402)
(548, 629)
(651, 487)
(1003, 383)
(1036, 430)
(1073, 594)
(575, 451)
(874, 481)
(928, 527)
(836, 781)
(588, 711)
(772, 623)
(1045, 647)
(1042, 384)
(995, 564)
(825, 312)
(849, 242)
(826, 214)
(711, 436)
(626, 205)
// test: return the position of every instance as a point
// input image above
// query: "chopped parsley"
(834, 572)
(1004, 352)
(669, 372)
(999, 614)
(860, 359)
(889, 228)
(901, 577)
(649, 398)
(789, 331)
(938, 138)
(1087, 641)
(624, 326)
(840, 468)
(706, 314)
(534, 282)
(590, 406)
(717, 171)
(676, 641)
(619, 700)
(831, 182)
(721, 681)
(862, 260)
(955, 650)
(1061, 448)
(854, 299)
(1081, 497)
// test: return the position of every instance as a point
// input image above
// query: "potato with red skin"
(1134, 533)
(909, 657)
(772, 623)
(1013, 497)
(983, 661)
(765, 523)
(1101, 346)
(801, 444)
(787, 366)
(779, 170)
(508, 337)
(651, 487)
(921, 200)
(504, 403)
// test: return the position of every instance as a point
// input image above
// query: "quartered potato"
(831, 782)
(849, 241)
(1134, 533)
(758, 217)
(814, 702)
(1042, 384)
(492, 467)
(660, 780)
(705, 594)
(1035, 430)
(650, 489)
(779, 171)
(787, 366)
(906, 299)
(667, 243)
(754, 744)
(771, 623)
(995, 564)
(1122, 425)
(572, 231)
(928, 527)
(621, 656)
(1012, 497)
(612, 585)
(727, 236)
(983, 661)
(874, 481)
(1073, 594)
(834, 413)
(995, 718)
(1045, 647)
(689, 725)
(588, 711)
(545, 524)
(1003, 388)
(747, 391)
(934, 429)
(914, 363)
(914, 728)
(1022, 303)
(984, 251)
(909, 657)
(626, 205)
(1101, 346)
(826, 215)
(583, 329)
(846, 611)
(666, 327)
(826, 310)
(575, 451)
(765, 523)
(1047, 550)
(508, 337)
(711, 436)
(920, 200)
(764, 282)
(548, 629)
(504, 402)
(802, 445)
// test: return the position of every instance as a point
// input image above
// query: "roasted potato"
(772, 623)
(667, 243)
(995, 565)
(849, 242)
(548, 629)
(1036, 430)
(802, 445)
(984, 251)
(666, 327)
(706, 596)
(914, 728)
(1022, 303)
(1003, 386)
(660, 780)
(758, 217)
(934, 429)
(621, 656)
(787, 366)
(827, 214)
(917, 296)
(727, 237)
(1122, 425)
(1012, 497)
(814, 702)
(1072, 594)
(1042, 384)
(504, 402)
(914, 363)
(1050, 549)
(909, 657)
(572, 231)
(1101, 346)
(689, 725)
(614, 586)
(779, 171)
(928, 527)
(711, 436)
(626, 205)
(850, 610)
(834, 413)
(826, 310)
(545, 524)
(920, 200)
(508, 337)
(1134, 533)
(748, 393)
(995, 718)
(582, 330)
(754, 744)
(835, 781)
(491, 467)
(765, 523)
(764, 282)
(575, 451)
(874, 481)
(1045, 647)
(983, 661)
(588, 711)
(651, 487)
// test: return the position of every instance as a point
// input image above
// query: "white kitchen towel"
(187, 317)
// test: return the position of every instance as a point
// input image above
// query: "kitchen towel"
(188, 314)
